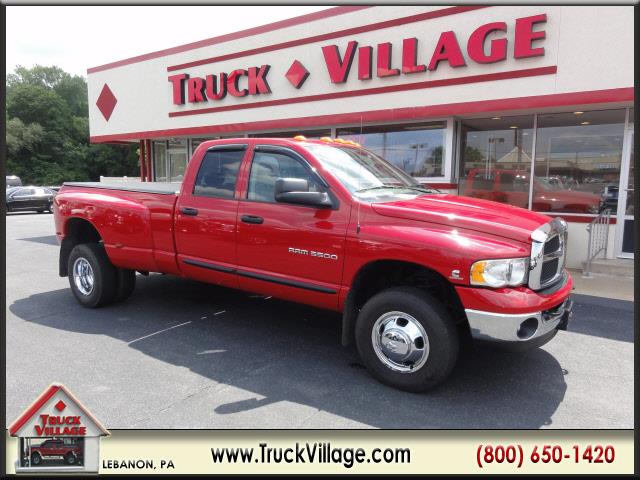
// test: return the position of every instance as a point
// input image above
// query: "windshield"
(365, 174)
(550, 183)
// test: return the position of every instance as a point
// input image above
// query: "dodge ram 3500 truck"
(329, 224)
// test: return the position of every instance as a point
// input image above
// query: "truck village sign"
(253, 80)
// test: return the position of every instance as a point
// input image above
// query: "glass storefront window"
(311, 134)
(160, 161)
(195, 142)
(577, 165)
(495, 159)
(418, 149)
(177, 155)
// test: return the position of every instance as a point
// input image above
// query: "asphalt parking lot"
(180, 354)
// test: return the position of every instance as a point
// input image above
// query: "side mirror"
(296, 191)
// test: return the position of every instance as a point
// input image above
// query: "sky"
(78, 37)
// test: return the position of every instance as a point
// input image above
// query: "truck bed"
(162, 188)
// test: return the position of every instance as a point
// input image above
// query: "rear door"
(289, 251)
(206, 216)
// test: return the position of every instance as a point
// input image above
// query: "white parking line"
(156, 333)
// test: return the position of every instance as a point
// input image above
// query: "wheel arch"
(379, 275)
(77, 230)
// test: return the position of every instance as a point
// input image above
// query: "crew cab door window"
(267, 167)
(218, 174)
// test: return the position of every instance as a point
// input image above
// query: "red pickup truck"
(56, 448)
(329, 224)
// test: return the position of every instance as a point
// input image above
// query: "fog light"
(527, 328)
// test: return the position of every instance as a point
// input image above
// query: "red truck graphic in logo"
(56, 433)
(71, 452)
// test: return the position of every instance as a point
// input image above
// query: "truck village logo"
(252, 81)
(57, 434)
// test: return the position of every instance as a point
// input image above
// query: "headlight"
(500, 273)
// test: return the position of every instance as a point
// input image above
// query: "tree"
(48, 131)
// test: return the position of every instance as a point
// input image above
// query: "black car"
(609, 198)
(22, 199)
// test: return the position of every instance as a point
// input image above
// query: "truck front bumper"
(523, 327)
(518, 315)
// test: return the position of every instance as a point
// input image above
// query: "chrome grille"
(548, 254)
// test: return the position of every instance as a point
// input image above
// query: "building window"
(418, 149)
(195, 142)
(495, 159)
(577, 164)
(311, 134)
(160, 161)
(177, 159)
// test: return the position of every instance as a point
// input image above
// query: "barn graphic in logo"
(57, 434)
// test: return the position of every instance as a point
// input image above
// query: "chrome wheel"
(83, 276)
(400, 342)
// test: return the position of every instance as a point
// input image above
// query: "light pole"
(416, 147)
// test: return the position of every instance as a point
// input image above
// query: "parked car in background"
(20, 199)
(13, 181)
(609, 197)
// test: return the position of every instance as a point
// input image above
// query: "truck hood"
(466, 213)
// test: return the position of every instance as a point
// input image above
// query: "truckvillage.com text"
(319, 453)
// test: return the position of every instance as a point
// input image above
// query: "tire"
(36, 458)
(40, 211)
(100, 277)
(406, 314)
(126, 284)
(70, 458)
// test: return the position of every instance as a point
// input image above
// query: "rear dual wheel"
(94, 280)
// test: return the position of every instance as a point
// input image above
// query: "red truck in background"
(329, 224)
(71, 453)
(512, 187)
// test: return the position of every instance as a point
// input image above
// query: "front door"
(625, 240)
(289, 251)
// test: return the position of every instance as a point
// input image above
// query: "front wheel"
(92, 276)
(36, 458)
(407, 339)
(70, 458)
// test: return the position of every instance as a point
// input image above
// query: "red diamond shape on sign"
(106, 102)
(297, 74)
(60, 406)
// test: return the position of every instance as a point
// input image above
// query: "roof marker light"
(300, 138)
(326, 139)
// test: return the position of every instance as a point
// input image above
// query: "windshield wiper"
(404, 187)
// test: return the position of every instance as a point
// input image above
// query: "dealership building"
(528, 105)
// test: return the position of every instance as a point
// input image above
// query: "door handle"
(252, 219)
(189, 211)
